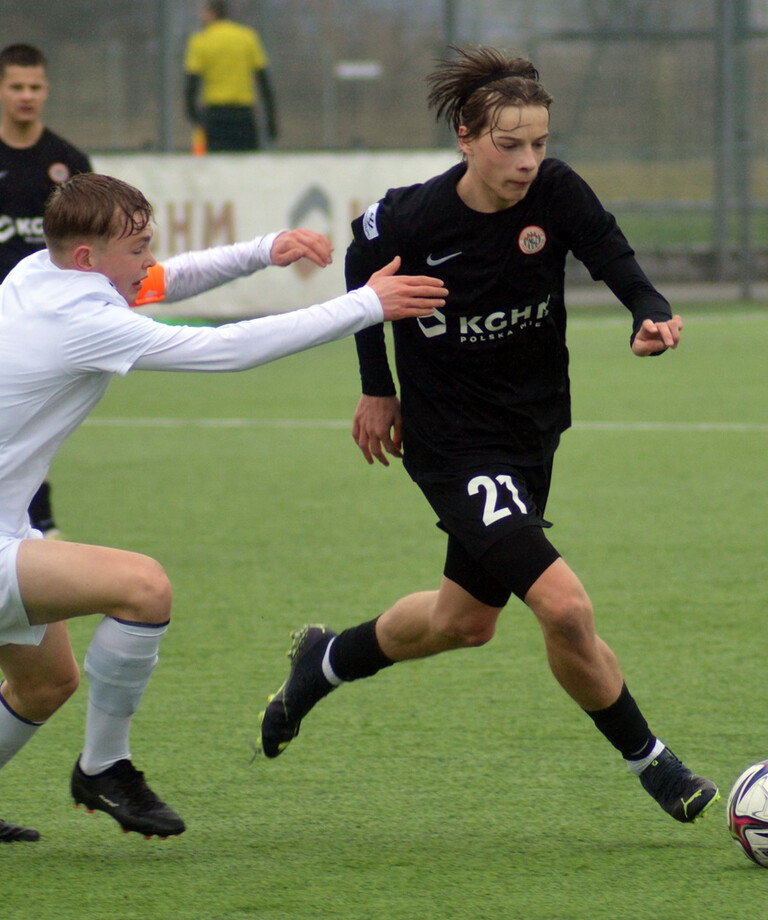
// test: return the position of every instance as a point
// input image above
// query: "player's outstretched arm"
(404, 296)
(240, 346)
(191, 273)
(378, 427)
(655, 337)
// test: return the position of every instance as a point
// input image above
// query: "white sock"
(15, 731)
(328, 673)
(106, 740)
(637, 766)
(119, 663)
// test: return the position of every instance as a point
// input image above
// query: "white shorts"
(14, 624)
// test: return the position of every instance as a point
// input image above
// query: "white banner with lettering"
(211, 200)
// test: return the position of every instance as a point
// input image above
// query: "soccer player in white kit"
(65, 329)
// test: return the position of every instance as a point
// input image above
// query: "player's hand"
(378, 427)
(402, 296)
(292, 245)
(653, 338)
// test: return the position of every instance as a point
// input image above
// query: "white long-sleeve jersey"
(64, 333)
(191, 273)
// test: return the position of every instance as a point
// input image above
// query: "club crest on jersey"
(370, 227)
(532, 239)
(58, 173)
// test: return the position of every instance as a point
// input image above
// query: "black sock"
(40, 511)
(624, 726)
(356, 653)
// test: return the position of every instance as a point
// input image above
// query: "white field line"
(669, 426)
(622, 318)
(337, 423)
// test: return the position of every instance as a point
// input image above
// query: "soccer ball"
(747, 812)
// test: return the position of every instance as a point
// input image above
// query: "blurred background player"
(225, 63)
(485, 398)
(33, 161)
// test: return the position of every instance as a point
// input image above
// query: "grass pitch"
(464, 787)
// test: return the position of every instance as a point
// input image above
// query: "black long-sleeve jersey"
(28, 175)
(486, 377)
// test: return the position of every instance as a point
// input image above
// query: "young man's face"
(502, 163)
(125, 261)
(23, 92)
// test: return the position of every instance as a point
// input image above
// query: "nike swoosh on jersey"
(431, 260)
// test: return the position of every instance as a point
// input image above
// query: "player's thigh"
(490, 513)
(515, 562)
(457, 613)
(560, 601)
(27, 668)
(60, 580)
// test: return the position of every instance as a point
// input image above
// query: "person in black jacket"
(484, 400)
(33, 162)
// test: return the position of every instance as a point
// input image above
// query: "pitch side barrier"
(216, 199)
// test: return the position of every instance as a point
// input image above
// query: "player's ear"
(463, 135)
(82, 257)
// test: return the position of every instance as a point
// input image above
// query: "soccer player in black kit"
(484, 399)
(33, 162)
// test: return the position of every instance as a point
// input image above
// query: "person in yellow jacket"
(224, 64)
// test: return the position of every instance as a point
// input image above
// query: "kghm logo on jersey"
(482, 328)
(532, 239)
(434, 324)
(30, 229)
(501, 324)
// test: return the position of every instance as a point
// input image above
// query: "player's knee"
(477, 636)
(60, 690)
(468, 632)
(151, 593)
(39, 697)
(568, 617)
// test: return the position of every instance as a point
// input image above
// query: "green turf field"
(461, 788)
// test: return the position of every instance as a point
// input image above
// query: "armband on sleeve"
(152, 288)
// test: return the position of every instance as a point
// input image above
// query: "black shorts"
(494, 518)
